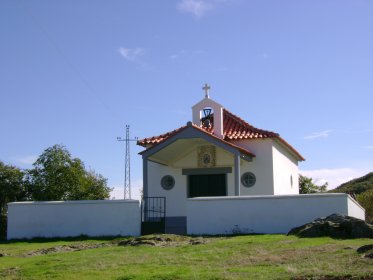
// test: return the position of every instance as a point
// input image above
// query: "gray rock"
(336, 226)
(368, 255)
(366, 250)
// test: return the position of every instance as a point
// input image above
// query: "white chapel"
(217, 154)
(217, 174)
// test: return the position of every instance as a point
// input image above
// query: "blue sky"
(75, 72)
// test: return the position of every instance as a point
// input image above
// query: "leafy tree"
(93, 186)
(307, 186)
(58, 176)
(11, 189)
(11, 184)
(366, 200)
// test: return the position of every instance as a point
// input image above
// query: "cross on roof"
(206, 88)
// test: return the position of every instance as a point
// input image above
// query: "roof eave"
(297, 155)
(190, 125)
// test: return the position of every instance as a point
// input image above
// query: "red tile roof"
(158, 139)
(234, 128)
(155, 141)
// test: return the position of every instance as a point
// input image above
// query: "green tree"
(11, 184)
(93, 186)
(12, 188)
(366, 200)
(58, 176)
(307, 186)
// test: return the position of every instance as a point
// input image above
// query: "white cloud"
(321, 134)
(118, 190)
(131, 54)
(370, 148)
(334, 177)
(197, 8)
(27, 160)
(174, 56)
(184, 53)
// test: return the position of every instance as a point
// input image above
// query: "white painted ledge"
(113, 201)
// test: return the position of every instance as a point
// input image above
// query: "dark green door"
(207, 185)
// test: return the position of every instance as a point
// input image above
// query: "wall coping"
(67, 202)
(250, 197)
(286, 196)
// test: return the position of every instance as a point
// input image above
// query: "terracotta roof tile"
(160, 138)
(170, 134)
(234, 128)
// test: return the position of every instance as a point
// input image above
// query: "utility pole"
(127, 163)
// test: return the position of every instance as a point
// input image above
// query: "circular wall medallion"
(167, 182)
(206, 159)
(206, 156)
(248, 179)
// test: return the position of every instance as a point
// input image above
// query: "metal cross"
(206, 88)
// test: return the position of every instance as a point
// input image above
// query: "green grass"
(239, 257)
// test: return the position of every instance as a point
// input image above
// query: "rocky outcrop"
(366, 251)
(163, 240)
(336, 226)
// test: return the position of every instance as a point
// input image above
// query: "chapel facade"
(215, 154)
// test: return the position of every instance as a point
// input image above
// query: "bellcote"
(209, 114)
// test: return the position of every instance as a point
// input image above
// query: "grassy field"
(175, 257)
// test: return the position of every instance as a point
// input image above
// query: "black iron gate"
(153, 214)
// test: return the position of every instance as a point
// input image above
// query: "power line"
(79, 75)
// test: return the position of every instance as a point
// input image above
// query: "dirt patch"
(164, 240)
(66, 248)
(10, 272)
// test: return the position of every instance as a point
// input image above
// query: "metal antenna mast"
(127, 163)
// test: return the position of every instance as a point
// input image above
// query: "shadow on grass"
(112, 238)
(67, 239)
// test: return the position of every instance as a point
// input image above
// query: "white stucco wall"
(177, 196)
(261, 166)
(285, 167)
(217, 111)
(73, 218)
(272, 167)
(354, 209)
(264, 214)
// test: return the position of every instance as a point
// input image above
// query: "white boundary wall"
(73, 218)
(264, 214)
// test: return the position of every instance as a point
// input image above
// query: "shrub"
(366, 200)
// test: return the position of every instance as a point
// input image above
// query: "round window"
(248, 179)
(167, 182)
